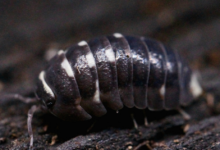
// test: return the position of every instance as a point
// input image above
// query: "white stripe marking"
(60, 52)
(162, 90)
(195, 88)
(46, 87)
(82, 43)
(66, 65)
(90, 60)
(96, 96)
(117, 35)
(110, 55)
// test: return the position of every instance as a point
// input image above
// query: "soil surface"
(33, 31)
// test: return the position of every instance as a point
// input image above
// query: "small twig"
(146, 143)
(18, 97)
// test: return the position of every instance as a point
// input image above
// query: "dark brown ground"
(29, 30)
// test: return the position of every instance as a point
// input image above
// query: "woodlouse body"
(113, 71)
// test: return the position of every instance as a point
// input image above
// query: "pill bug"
(111, 72)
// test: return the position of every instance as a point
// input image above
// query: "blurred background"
(32, 31)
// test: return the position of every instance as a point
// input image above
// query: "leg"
(29, 120)
(94, 122)
(117, 111)
(145, 119)
(210, 99)
(134, 121)
(184, 114)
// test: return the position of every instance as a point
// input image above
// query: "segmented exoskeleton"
(115, 71)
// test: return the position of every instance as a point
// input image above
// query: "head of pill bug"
(64, 108)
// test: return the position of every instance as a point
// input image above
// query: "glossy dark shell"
(114, 71)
